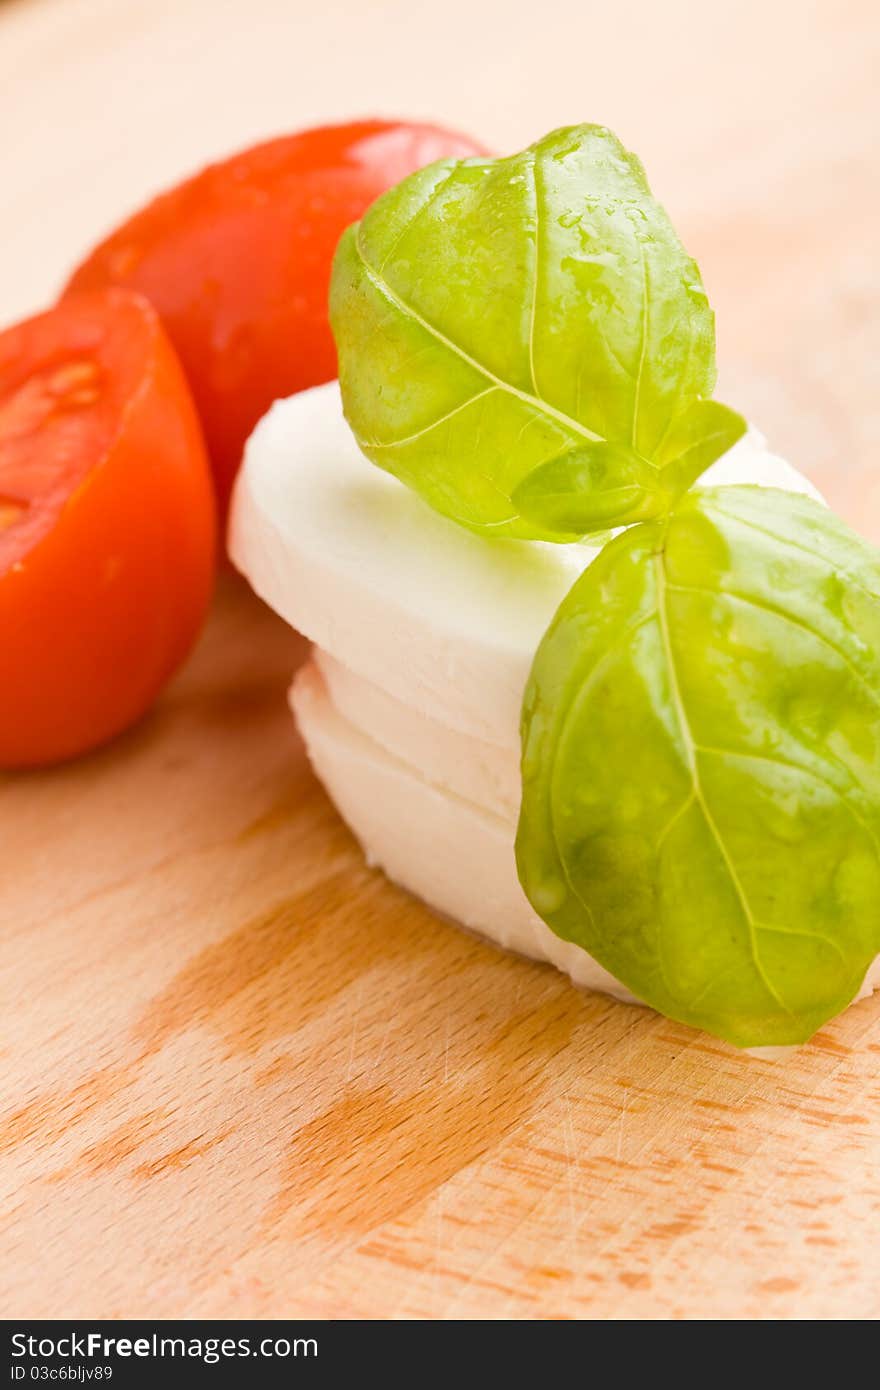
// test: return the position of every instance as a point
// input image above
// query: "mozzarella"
(445, 621)
(424, 636)
(486, 774)
(449, 851)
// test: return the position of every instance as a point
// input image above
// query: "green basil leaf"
(585, 489)
(492, 315)
(598, 484)
(701, 764)
(696, 438)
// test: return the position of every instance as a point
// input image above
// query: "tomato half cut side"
(107, 524)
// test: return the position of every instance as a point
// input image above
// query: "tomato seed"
(72, 375)
(10, 512)
(27, 409)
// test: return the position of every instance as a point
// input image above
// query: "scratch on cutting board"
(472, 1277)
(619, 1148)
(578, 1223)
(381, 1052)
(626, 1051)
(438, 1243)
(354, 1028)
(572, 1163)
(568, 1136)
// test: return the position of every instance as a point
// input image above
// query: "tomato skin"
(101, 608)
(237, 260)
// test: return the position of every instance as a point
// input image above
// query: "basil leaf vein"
(696, 795)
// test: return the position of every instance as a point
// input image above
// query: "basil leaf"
(696, 438)
(493, 315)
(701, 764)
(598, 484)
(588, 488)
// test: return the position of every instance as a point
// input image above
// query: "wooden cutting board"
(241, 1074)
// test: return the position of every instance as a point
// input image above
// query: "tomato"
(107, 524)
(237, 261)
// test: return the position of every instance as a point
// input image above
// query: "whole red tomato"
(237, 262)
(107, 524)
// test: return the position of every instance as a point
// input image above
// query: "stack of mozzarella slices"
(423, 637)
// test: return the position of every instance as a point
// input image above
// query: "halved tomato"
(107, 524)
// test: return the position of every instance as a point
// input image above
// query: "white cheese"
(445, 621)
(484, 773)
(452, 853)
(424, 637)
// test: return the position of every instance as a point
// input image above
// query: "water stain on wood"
(259, 982)
(181, 1156)
(373, 1153)
(109, 1153)
(51, 1114)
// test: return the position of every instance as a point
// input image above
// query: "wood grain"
(242, 1075)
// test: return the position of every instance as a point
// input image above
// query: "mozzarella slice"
(445, 621)
(449, 851)
(486, 774)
